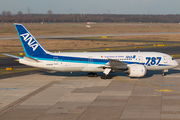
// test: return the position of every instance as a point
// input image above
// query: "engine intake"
(135, 70)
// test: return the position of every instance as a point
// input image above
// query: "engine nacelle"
(135, 70)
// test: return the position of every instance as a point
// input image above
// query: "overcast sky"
(92, 6)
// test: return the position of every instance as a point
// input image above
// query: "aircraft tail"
(30, 45)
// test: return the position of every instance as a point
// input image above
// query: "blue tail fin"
(30, 45)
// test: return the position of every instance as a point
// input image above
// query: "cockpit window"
(172, 58)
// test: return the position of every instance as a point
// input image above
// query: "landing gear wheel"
(109, 77)
(95, 75)
(103, 77)
(163, 74)
(106, 77)
(91, 74)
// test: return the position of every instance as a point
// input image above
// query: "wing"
(115, 65)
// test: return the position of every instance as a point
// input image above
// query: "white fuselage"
(92, 61)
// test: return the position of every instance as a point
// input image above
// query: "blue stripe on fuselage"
(49, 57)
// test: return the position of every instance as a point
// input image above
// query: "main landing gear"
(106, 77)
(106, 72)
(91, 74)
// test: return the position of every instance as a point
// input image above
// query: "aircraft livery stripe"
(49, 57)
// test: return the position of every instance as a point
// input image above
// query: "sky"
(92, 6)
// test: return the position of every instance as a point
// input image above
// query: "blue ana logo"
(130, 57)
(31, 42)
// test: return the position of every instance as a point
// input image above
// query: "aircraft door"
(55, 60)
(140, 58)
(90, 60)
(165, 59)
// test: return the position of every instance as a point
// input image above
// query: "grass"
(56, 44)
(176, 56)
(163, 38)
(89, 43)
(84, 45)
(79, 28)
(118, 48)
(92, 43)
(16, 70)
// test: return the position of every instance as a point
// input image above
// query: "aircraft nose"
(176, 63)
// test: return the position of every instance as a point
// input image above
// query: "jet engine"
(135, 70)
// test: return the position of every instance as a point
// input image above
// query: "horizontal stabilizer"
(11, 56)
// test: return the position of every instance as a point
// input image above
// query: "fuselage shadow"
(119, 74)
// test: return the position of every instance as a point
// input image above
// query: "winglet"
(30, 45)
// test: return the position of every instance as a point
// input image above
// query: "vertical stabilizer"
(30, 45)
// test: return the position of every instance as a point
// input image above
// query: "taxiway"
(55, 95)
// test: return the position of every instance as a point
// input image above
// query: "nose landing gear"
(164, 72)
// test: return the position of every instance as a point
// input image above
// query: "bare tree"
(4, 13)
(8, 13)
(49, 12)
(20, 13)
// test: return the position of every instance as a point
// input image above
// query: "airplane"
(134, 64)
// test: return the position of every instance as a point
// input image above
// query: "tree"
(4, 13)
(49, 12)
(20, 13)
(8, 13)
